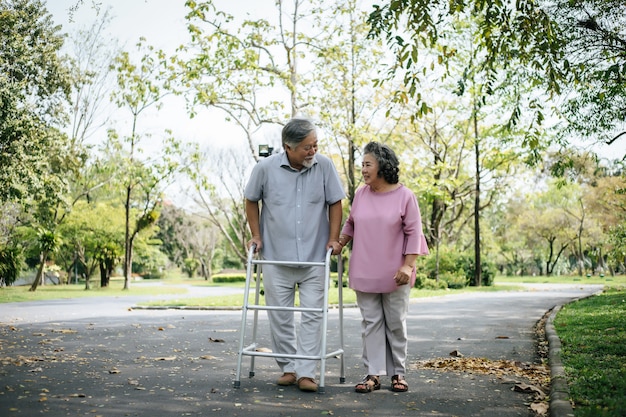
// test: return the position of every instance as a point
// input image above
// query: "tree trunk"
(103, 274)
(39, 277)
(477, 260)
(128, 249)
(129, 261)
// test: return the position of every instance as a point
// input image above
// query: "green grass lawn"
(115, 289)
(593, 339)
(609, 281)
(177, 285)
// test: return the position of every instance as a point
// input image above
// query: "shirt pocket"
(315, 194)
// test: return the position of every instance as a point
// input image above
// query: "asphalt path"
(105, 357)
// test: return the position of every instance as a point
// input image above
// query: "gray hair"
(388, 164)
(296, 130)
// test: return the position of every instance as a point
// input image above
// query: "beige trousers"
(383, 330)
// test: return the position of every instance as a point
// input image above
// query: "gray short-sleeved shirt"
(294, 206)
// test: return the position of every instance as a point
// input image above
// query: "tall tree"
(247, 69)
(93, 53)
(34, 85)
(142, 85)
(218, 191)
(186, 236)
(350, 109)
(423, 34)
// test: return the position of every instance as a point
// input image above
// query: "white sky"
(162, 23)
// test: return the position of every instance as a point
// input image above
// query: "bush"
(456, 263)
(456, 280)
(229, 278)
(11, 259)
(420, 279)
(432, 284)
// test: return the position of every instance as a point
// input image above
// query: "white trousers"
(280, 283)
(383, 330)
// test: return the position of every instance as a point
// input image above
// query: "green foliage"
(595, 107)
(229, 277)
(190, 266)
(34, 83)
(146, 220)
(420, 279)
(11, 259)
(149, 261)
(454, 281)
(617, 241)
(456, 266)
(517, 36)
(592, 333)
(47, 240)
(433, 284)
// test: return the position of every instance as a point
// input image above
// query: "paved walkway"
(102, 357)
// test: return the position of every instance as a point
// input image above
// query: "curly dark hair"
(388, 164)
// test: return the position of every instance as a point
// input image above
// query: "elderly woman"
(386, 232)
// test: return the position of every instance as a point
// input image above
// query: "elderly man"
(299, 219)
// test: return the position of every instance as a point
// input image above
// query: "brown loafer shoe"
(307, 384)
(288, 378)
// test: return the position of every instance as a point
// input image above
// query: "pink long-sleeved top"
(384, 227)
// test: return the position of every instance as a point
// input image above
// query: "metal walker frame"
(251, 349)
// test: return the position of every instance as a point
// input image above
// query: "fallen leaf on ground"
(64, 331)
(540, 408)
(538, 374)
(529, 389)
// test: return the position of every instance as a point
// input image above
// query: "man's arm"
(252, 214)
(335, 215)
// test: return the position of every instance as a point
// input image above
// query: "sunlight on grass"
(592, 333)
(51, 292)
(607, 280)
(182, 285)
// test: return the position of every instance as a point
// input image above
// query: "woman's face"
(369, 169)
(303, 154)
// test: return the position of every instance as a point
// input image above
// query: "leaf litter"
(536, 375)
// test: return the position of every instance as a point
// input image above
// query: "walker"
(252, 349)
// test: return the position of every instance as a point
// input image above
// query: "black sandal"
(370, 383)
(399, 384)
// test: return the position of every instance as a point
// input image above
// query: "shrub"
(420, 279)
(229, 278)
(460, 263)
(10, 264)
(456, 280)
(432, 284)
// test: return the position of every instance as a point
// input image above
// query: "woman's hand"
(403, 275)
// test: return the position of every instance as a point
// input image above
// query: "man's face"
(302, 155)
